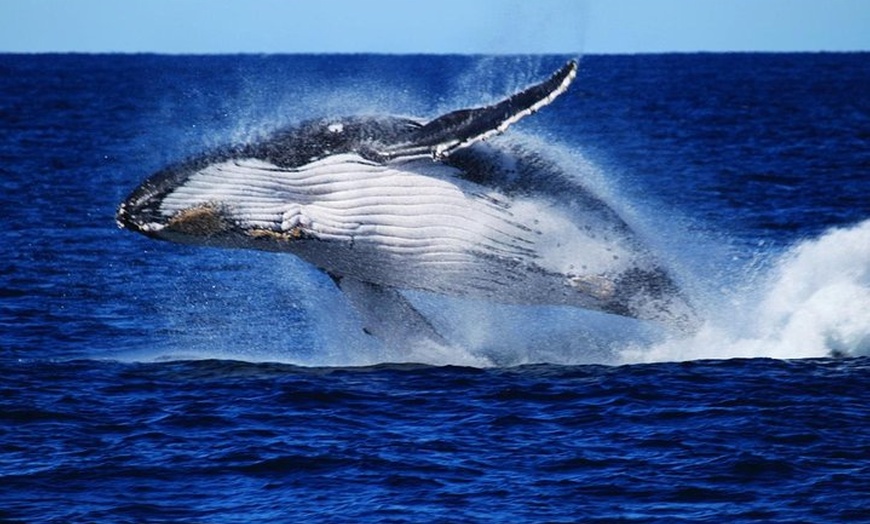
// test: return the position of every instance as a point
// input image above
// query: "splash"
(813, 302)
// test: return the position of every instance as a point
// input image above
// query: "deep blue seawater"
(143, 381)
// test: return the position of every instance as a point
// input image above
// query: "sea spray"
(814, 301)
(819, 300)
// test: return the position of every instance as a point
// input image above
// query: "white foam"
(813, 302)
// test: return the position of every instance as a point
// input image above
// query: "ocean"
(145, 381)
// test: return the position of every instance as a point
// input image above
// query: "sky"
(440, 26)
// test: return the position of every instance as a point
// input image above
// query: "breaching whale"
(384, 204)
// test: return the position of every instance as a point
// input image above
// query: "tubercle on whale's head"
(199, 224)
(205, 220)
(139, 212)
(143, 210)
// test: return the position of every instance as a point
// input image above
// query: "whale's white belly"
(412, 224)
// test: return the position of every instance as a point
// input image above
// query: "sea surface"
(143, 381)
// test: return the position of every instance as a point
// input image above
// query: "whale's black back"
(315, 139)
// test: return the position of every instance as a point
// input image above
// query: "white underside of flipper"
(460, 129)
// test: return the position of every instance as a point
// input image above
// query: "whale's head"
(144, 210)
(219, 201)
(254, 195)
(200, 223)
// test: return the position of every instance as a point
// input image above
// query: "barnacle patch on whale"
(203, 220)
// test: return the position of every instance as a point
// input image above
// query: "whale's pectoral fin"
(387, 315)
(462, 128)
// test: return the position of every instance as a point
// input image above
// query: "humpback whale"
(384, 204)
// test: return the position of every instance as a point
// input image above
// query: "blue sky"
(441, 26)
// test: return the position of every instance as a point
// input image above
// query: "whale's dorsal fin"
(447, 133)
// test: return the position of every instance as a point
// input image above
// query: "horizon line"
(422, 53)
